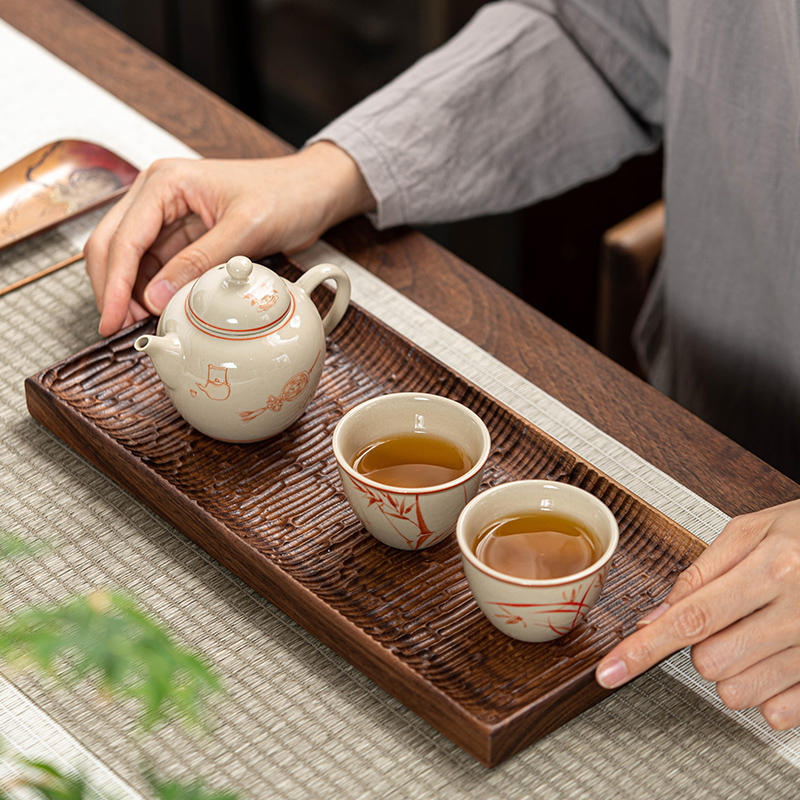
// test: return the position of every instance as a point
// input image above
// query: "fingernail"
(652, 616)
(159, 294)
(612, 673)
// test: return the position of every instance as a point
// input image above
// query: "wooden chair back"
(628, 258)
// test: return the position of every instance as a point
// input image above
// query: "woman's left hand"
(738, 607)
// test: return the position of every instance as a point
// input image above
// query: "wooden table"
(615, 401)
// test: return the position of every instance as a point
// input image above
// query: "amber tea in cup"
(536, 555)
(409, 462)
(538, 546)
(412, 460)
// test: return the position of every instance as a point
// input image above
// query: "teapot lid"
(239, 300)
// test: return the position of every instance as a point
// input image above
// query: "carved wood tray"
(274, 514)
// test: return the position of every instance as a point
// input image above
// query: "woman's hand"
(738, 606)
(181, 217)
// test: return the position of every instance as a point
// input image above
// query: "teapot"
(240, 350)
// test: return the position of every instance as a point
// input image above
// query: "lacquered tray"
(274, 514)
(57, 182)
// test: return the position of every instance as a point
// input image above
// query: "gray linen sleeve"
(527, 100)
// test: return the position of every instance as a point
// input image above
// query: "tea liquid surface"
(538, 546)
(412, 461)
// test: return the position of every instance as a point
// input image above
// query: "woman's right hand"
(181, 217)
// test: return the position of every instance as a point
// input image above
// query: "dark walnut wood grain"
(275, 515)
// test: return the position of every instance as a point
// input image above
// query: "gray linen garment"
(532, 98)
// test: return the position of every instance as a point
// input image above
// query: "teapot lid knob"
(239, 300)
(239, 268)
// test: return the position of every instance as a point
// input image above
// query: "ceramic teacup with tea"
(536, 555)
(409, 462)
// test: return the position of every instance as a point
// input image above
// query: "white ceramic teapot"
(240, 350)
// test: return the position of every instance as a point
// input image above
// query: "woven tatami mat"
(298, 722)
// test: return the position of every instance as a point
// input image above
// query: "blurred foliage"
(175, 790)
(107, 639)
(13, 548)
(41, 780)
(46, 782)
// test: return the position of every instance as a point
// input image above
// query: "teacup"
(410, 517)
(529, 609)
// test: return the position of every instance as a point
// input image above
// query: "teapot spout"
(167, 354)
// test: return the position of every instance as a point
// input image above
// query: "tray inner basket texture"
(283, 500)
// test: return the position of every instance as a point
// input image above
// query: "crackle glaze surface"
(253, 379)
(410, 519)
(530, 610)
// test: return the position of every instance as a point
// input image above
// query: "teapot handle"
(309, 281)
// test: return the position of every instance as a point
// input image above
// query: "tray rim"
(497, 740)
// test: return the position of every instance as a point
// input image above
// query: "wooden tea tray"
(274, 514)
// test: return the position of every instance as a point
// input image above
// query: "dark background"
(294, 65)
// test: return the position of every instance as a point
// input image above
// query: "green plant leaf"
(178, 790)
(41, 779)
(13, 546)
(45, 781)
(108, 639)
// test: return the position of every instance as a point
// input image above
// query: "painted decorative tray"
(56, 183)
(274, 514)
